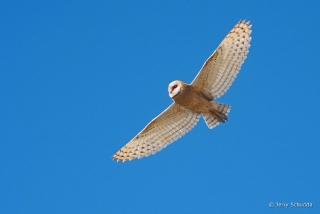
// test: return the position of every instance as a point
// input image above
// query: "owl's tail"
(218, 113)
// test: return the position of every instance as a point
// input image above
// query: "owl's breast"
(190, 98)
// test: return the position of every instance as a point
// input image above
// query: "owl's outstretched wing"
(167, 127)
(222, 67)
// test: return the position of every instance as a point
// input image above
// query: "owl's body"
(190, 97)
(195, 99)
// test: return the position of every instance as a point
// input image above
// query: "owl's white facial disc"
(174, 88)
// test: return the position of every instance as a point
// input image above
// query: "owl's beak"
(172, 96)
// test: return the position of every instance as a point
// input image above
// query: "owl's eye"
(175, 86)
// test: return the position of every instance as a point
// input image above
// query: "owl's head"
(174, 88)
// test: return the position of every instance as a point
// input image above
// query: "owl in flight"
(191, 100)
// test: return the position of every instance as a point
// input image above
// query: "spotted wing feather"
(169, 126)
(222, 67)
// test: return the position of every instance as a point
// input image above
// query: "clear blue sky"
(79, 79)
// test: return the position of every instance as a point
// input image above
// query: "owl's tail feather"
(218, 113)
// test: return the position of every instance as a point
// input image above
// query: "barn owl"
(195, 99)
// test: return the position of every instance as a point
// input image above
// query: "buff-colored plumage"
(222, 67)
(213, 80)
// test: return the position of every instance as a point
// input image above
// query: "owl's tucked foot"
(221, 117)
(220, 111)
(217, 114)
